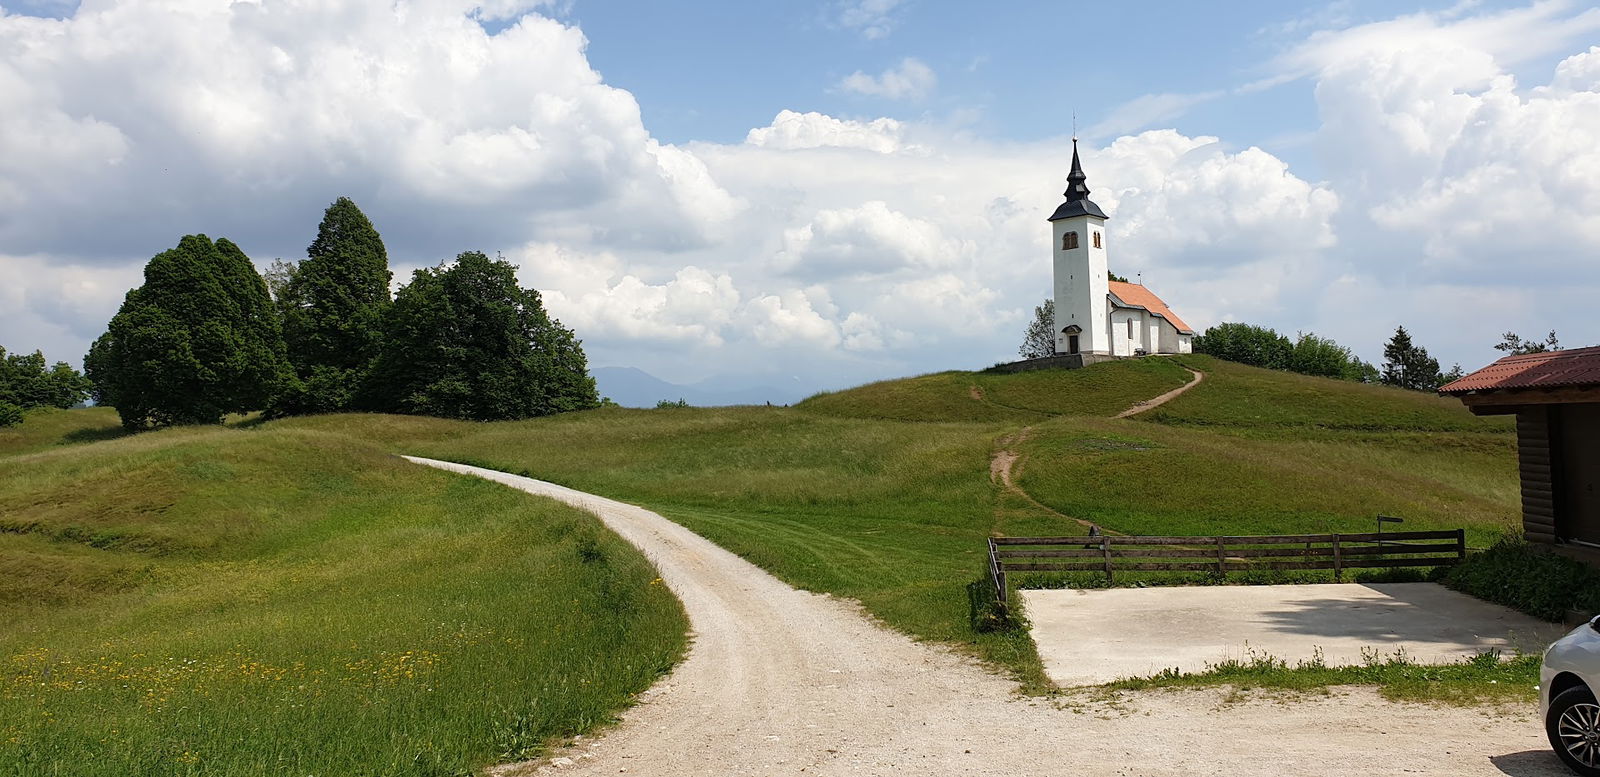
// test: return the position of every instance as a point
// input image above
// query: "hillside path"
(784, 682)
(1150, 404)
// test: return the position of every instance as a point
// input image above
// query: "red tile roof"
(1575, 367)
(1135, 294)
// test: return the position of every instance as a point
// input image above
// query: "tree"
(1513, 344)
(25, 383)
(1312, 355)
(1408, 365)
(1111, 276)
(332, 307)
(198, 340)
(463, 340)
(1257, 346)
(1039, 340)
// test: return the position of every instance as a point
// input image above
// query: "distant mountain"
(633, 387)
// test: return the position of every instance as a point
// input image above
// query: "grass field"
(881, 493)
(292, 602)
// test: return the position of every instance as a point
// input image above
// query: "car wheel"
(1573, 725)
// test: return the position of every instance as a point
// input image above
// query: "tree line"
(26, 383)
(206, 336)
(1405, 363)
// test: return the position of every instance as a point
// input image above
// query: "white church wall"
(1166, 337)
(1126, 331)
(1152, 337)
(1185, 344)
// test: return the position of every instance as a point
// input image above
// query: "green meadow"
(269, 544)
(285, 601)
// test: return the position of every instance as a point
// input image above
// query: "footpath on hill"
(780, 681)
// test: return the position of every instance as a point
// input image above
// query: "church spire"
(1076, 189)
(1077, 193)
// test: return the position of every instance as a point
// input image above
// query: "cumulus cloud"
(790, 130)
(868, 240)
(859, 247)
(232, 117)
(910, 79)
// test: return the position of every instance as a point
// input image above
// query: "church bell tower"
(1078, 232)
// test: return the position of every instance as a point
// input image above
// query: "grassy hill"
(286, 601)
(881, 493)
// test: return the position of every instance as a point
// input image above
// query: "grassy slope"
(47, 427)
(285, 601)
(1259, 451)
(1102, 390)
(840, 495)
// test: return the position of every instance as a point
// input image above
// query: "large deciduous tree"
(463, 340)
(197, 341)
(1039, 340)
(332, 306)
(1408, 365)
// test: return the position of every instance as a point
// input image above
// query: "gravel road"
(784, 682)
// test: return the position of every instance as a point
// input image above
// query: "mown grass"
(292, 602)
(892, 514)
(1102, 390)
(883, 493)
(48, 427)
(1486, 677)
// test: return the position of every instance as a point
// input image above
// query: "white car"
(1567, 685)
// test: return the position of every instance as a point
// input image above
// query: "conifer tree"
(464, 340)
(1408, 365)
(332, 306)
(198, 340)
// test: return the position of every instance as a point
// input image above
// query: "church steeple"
(1077, 193)
(1076, 190)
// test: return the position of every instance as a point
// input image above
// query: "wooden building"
(1556, 399)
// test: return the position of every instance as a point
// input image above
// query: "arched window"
(1097, 240)
(1069, 241)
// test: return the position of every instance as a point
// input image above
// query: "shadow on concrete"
(1409, 612)
(1530, 763)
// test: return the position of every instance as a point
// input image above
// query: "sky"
(820, 194)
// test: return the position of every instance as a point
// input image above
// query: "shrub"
(1518, 575)
(667, 404)
(10, 415)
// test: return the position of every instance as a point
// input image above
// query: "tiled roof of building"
(1137, 295)
(1576, 367)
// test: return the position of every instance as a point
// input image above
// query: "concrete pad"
(1088, 637)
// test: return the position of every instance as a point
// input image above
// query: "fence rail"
(1337, 552)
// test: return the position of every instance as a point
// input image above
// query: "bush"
(1536, 581)
(667, 404)
(10, 415)
(1307, 354)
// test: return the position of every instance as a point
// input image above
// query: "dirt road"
(784, 682)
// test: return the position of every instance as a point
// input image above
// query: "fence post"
(1461, 545)
(1338, 560)
(997, 575)
(1105, 551)
(1222, 567)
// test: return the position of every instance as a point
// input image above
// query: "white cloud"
(868, 240)
(872, 18)
(846, 248)
(790, 130)
(911, 79)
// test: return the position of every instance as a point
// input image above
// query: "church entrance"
(1072, 343)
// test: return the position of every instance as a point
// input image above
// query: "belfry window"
(1069, 241)
(1097, 240)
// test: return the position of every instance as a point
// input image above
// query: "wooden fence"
(1109, 554)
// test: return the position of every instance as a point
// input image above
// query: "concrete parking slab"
(1094, 636)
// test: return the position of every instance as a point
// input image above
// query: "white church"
(1096, 316)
